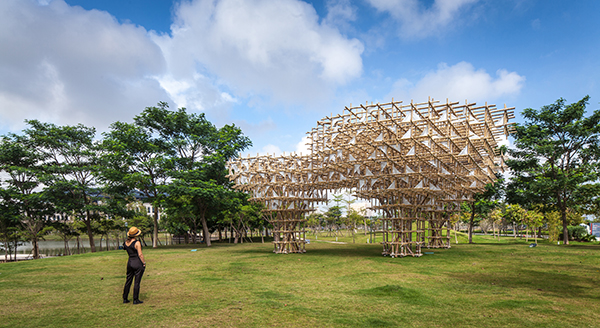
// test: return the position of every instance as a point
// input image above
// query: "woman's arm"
(139, 250)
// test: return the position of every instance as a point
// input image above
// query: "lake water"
(56, 247)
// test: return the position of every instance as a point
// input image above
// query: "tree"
(557, 157)
(20, 160)
(315, 220)
(242, 215)
(496, 216)
(70, 165)
(533, 220)
(198, 151)
(139, 161)
(484, 202)
(515, 214)
(332, 217)
(455, 219)
(9, 221)
(66, 230)
(352, 219)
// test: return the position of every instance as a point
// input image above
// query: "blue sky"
(275, 67)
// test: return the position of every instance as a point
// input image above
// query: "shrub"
(578, 233)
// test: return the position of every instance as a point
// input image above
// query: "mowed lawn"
(488, 284)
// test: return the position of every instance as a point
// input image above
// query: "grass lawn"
(488, 284)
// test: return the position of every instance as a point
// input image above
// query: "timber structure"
(415, 163)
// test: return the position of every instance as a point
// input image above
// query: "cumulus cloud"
(302, 147)
(276, 48)
(340, 13)
(68, 65)
(416, 21)
(459, 82)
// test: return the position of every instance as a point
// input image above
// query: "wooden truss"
(283, 185)
(414, 162)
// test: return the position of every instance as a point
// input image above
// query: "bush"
(578, 233)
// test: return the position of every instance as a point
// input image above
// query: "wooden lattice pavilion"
(414, 162)
(283, 185)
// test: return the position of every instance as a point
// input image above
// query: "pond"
(57, 247)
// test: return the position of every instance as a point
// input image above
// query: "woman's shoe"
(137, 302)
(125, 301)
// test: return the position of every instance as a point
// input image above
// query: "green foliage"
(315, 220)
(554, 226)
(20, 159)
(579, 233)
(557, 158)
(175, 159)
(143, 222)
(70, 168)
(173, 225)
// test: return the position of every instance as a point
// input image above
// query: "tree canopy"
(557, 157)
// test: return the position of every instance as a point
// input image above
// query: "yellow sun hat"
(134, 232)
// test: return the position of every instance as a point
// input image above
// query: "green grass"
(488, 284)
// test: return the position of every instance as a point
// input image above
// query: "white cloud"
(458, 83)
(416, 21)
(273, 150)
(340, 13)
(276, 48)
(270, 150)
(302, 147)
(68, 65)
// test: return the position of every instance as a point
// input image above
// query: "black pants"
(135, 268)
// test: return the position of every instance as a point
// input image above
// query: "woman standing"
(135, 266)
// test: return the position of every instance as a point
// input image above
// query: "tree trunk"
(36, 250)
(155, 233)
(471, 221)
(205, 229)
(66, 247)
(241, 233)
(88, 225)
